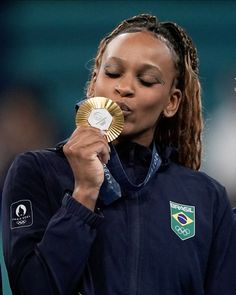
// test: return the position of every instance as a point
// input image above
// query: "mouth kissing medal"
(101, 113)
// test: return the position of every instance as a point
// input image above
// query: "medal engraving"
(101, 113)
(100, 118)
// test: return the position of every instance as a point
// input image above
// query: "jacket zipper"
(133, 215)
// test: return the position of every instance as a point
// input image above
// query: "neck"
(143, 142)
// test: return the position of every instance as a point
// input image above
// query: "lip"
(125, 108)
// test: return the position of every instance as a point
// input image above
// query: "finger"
(89, 150)
(85, 136)
(96, 149)
(103, 154)
(81, 130)
(85, 140)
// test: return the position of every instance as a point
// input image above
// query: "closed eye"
(112, 75)
(150, 82)
(145, 83)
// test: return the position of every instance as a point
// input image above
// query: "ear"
(173, 103)
(91, 85)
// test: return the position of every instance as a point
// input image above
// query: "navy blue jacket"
(54, 245)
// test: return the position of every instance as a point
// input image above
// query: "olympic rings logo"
(21, 222)
(182, 231)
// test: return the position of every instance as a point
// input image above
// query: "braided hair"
(183, 130)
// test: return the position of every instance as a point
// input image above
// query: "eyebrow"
(110, 60)
(144, 66)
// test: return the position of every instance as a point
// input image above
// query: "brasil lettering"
(181, 207)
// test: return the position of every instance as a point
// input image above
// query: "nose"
(125, 87)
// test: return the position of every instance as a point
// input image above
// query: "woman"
(170, 230)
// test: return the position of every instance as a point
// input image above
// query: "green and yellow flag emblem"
(182, 220)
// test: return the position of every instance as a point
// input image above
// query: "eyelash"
(112, 75)
(147, 84)
(143, 82)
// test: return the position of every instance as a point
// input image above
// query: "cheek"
(152, 114)
(152, 105)
(102, 86)
(151, 109)
(97, 87)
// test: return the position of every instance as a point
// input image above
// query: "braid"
(183, 130)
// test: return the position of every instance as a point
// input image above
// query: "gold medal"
(102, 113)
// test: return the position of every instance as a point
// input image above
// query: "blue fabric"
(234, 211)
(126, 247)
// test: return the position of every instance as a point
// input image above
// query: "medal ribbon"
(111, 190)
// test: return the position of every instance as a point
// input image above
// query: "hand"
(87, 150)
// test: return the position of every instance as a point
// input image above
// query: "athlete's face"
(137, 72)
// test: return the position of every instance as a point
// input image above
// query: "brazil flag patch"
(182, 220)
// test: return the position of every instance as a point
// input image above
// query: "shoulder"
(207, 194)
(196, 186)
(38, 164)
(38, 173)
(39, 158)
(195, 177)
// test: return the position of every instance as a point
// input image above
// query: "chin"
(126, 133)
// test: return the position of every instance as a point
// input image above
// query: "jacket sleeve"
(221, 278)
(45, 251)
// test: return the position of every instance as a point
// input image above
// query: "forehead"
(142, 47)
